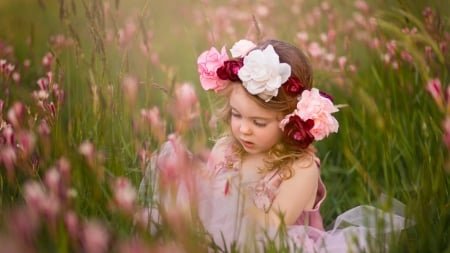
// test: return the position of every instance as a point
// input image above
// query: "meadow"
(89, 89)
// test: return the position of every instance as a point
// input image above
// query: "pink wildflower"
(342, 61)
(315, 50)
(26, 142)
(8, 157)
(16, 77)
(375, 43)
(95, 237)
(8, 135)
(186, 96)
(446, 127)
(302, 37)
(434, 88)
(72, 224)
(130, 87)
(15, 114)
(44, 128)
(26, 63)
(124, 194)
(87, 149)
(362, 6)
(391, 47)
(407, 56)
(47, 60)
(43, 83)
(52, 180)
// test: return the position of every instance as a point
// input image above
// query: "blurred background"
(89, 89)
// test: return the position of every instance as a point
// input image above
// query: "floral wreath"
(262, 74)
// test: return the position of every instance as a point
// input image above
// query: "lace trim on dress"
(265, 190)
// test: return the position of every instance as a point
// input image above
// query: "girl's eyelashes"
(256, 122)
(259, 124)
(235, 114)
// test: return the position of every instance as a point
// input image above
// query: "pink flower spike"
(71, 222)
(26, 141)
(34, 194)
(315, 50)
(130, 87)
(43, 83)
(434, 88)
(87, 149)
(16, 77)
(2, 65)
(44, 128)
(446, 127)
(207, 64)
(391, 47)
(362, 6)
(342, 61)
(52, 180)
(26, 63)
(186, 96)
(8, 157)
(9, 69)
(407, 56)
(16, 113)
(47, 60)
(124, 194)
(49, 77)
(302, 37)
(95, 237)
(8, 135)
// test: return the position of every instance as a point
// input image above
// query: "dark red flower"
(297, 132)
(326, 95)
(293, 86)
(230, 68)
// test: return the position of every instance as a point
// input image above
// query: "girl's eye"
(235, 114)
(260, 124)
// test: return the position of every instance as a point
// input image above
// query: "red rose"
(230, 68)
(293, 86)
(297, 132)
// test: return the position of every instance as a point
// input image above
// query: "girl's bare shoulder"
(306, 166)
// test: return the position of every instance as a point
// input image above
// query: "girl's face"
(253, 126)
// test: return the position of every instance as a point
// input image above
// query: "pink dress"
(222, 199)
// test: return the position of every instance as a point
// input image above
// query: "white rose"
(241, 48)
(262, 73)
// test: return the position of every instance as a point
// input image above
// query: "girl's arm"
(294, 196)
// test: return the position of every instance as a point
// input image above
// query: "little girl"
(263, 174)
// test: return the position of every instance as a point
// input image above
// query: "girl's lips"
(247, 144)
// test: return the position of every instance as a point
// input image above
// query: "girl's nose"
(245, 128)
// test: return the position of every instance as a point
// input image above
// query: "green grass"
(390, 139)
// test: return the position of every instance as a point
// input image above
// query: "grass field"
(89, 89)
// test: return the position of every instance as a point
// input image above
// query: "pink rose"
(314, 106)
(207, 64)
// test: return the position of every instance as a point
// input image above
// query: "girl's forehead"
(242, 101)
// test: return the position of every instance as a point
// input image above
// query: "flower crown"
(262, 74)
